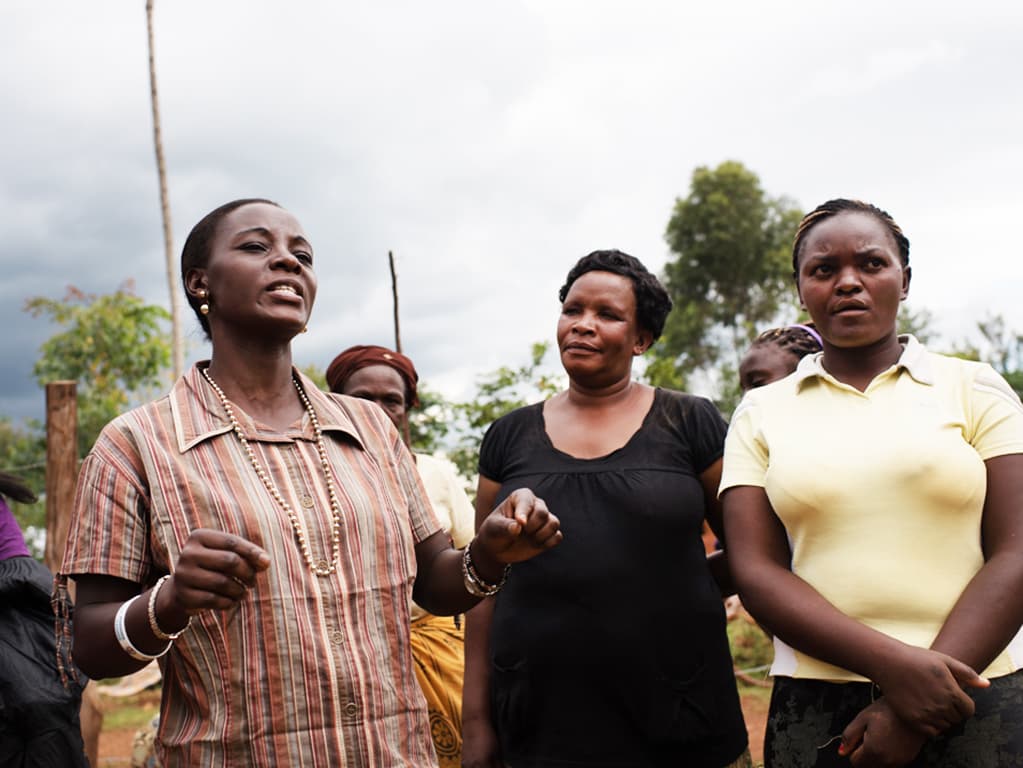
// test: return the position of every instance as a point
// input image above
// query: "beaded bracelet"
(152, 614)
(474, 584)
(122, 635)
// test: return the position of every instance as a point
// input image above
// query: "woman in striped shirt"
(263, 539)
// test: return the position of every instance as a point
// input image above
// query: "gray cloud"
(489, 146)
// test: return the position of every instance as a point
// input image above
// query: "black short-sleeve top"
(611, 649)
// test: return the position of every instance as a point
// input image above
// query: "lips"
(849, 307)
(285, 287)
(580, 348)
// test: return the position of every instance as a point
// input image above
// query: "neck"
(858, 366)
(259, 381)
(586, 396)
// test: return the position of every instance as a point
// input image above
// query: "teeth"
(285, 288)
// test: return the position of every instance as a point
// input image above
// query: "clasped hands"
(923, 696)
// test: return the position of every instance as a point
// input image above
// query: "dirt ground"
(115, 743)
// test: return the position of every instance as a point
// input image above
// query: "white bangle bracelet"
(122, 635)
(153, 625)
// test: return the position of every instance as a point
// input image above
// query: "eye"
(821, 270)
(254, 246)
(304, 256)
(570, 310)
(876, 262)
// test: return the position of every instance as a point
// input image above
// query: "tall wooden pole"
(177, 334)
(405, 431)
(61, 466)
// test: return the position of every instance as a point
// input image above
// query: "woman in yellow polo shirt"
(872, 508)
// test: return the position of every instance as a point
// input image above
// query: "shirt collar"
(915, 360)
(199, 415)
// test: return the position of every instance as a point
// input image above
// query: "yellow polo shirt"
(881, 492)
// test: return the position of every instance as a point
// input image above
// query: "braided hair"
(842, 205)
(799, 340)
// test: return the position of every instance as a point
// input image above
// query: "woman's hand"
(479, 745)
(925, 689)
(877, 738)
(214, 570)
(520, 528)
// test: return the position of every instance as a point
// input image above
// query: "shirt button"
(337, 637)
(307, 502)
(351, 709)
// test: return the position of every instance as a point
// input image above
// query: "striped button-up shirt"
(304, 670)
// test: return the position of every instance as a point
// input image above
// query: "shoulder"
(973, 377)
(685, 409)
(517, 419)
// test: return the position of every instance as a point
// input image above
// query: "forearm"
(987, 615)
(800, 616)
(476, 685)
(441, 589)
(97, 650)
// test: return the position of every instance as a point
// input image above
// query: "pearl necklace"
(320, 567)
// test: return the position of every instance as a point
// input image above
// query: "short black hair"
(196, 252)
(839, 205)
(652, 301)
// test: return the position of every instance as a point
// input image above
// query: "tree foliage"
(498, 393)
(730, 274)
(114, 346)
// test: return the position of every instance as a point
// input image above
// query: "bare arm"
(922, 686)
(214, 571)
(480, 747)
(717, 561)
(520, 528)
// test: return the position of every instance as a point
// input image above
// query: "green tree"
(498, 393)
(113, 345)
(730, 277)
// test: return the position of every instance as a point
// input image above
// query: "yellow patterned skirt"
(438, 649)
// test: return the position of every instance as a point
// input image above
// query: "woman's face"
(598, 334)
(763, 364)
(851, 280)
(382, 385)
(260, 273)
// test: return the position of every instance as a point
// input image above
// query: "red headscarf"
(362, 355)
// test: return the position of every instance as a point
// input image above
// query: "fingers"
(256, 557)
(215, 569)
(965, 675)
(852, 736)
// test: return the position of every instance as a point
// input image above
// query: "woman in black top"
(610, 650)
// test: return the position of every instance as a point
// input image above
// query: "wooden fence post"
(61, 466)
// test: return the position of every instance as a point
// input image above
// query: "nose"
(848, 280)
(283, 258)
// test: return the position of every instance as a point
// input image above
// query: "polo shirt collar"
(199, 415)
(915, 360)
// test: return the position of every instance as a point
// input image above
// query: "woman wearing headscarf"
(390, 380)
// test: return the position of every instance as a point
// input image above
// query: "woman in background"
(390, 380)
(775, 353)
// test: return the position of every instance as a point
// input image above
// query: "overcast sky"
(489, 145)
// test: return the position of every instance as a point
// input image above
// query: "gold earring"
(305, 329)
(204, 308)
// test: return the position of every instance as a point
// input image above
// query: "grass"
(130, 712)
